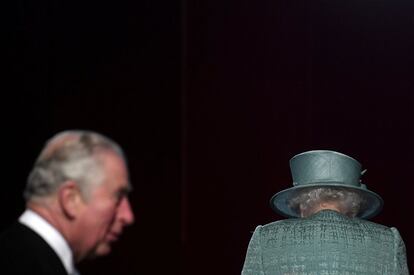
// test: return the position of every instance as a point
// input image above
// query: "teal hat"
(324, 168)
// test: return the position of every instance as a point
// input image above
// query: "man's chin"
(102, 250)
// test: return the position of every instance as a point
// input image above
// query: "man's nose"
(125, 213)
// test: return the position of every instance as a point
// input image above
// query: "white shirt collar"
(53, 237)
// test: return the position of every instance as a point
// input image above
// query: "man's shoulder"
(23, 251)
(17, 236)
(16, 232)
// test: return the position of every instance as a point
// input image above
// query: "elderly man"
(77, 206)
(327, 233)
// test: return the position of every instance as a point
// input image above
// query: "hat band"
(330, 182)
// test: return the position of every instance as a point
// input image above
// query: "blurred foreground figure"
(326, 233)
(76, 206)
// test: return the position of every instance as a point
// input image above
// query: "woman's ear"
(70, 199)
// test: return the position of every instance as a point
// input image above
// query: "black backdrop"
(112, 67)
(210, 99)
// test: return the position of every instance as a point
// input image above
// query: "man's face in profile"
(107, 210)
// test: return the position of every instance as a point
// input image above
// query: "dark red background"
(210, 100)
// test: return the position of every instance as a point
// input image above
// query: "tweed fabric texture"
(327, 243)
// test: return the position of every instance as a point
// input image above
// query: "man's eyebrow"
(125, 190)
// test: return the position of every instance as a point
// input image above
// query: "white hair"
(69, 155)
(307, 201)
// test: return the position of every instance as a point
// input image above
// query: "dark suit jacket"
(22, 251)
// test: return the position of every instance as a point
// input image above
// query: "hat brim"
(280, 201)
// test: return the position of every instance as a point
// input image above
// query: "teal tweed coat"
(327, 243)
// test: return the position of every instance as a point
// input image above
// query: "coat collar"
(327, 214)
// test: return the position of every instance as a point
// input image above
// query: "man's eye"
(120, 195)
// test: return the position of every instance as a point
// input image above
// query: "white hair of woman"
(308, 201)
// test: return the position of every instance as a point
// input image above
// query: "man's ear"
(70, 199)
